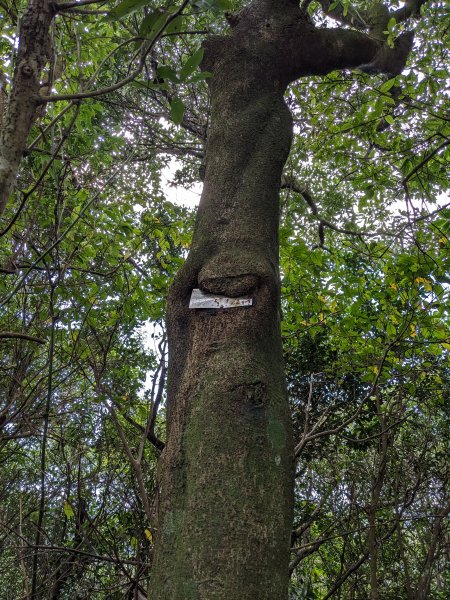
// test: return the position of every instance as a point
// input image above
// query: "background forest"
(89, 244)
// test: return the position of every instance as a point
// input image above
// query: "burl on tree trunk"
(225, 490)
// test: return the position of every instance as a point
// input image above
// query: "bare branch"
(21, 336)
(68, 5)
(295, 186)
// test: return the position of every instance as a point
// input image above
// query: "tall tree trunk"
(225, 486)
(227, 472)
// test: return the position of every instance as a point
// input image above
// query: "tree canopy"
(90, 244)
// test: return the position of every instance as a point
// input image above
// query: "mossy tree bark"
(224, 510)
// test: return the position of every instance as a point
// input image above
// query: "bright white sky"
(178, 194)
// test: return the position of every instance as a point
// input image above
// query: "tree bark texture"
(32, 55)
(225, 489)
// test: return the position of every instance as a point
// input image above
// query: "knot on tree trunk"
(253, 394)
(234, 273)
(26, 70)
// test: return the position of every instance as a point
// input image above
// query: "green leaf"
(68, 510)
(387, 85)
(192, 63)
(390, 330)
(125, 8)
(200, 76)
(164, 72)
(149, 85)
(152, 23)
(177, 109)
(391, 24)
(175, 25)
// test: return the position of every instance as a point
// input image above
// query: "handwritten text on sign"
(201, 299)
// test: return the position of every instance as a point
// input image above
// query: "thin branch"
(376, 435)
(48, 127)
(69, 5)
(354, 567)
(337, 429)
(43, 548)
(74, 11)
(28, 193)
(46, 418)
(63, 139)
(22, 336)
(155, 405)
(424, 161)
(146, 48)
(135, 464)
(60, 237)
(294, 185)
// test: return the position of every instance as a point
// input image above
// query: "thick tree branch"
(312, 51)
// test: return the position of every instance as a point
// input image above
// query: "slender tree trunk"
(423, 585)
(407, 577)
(225, 489)
(33, 53)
